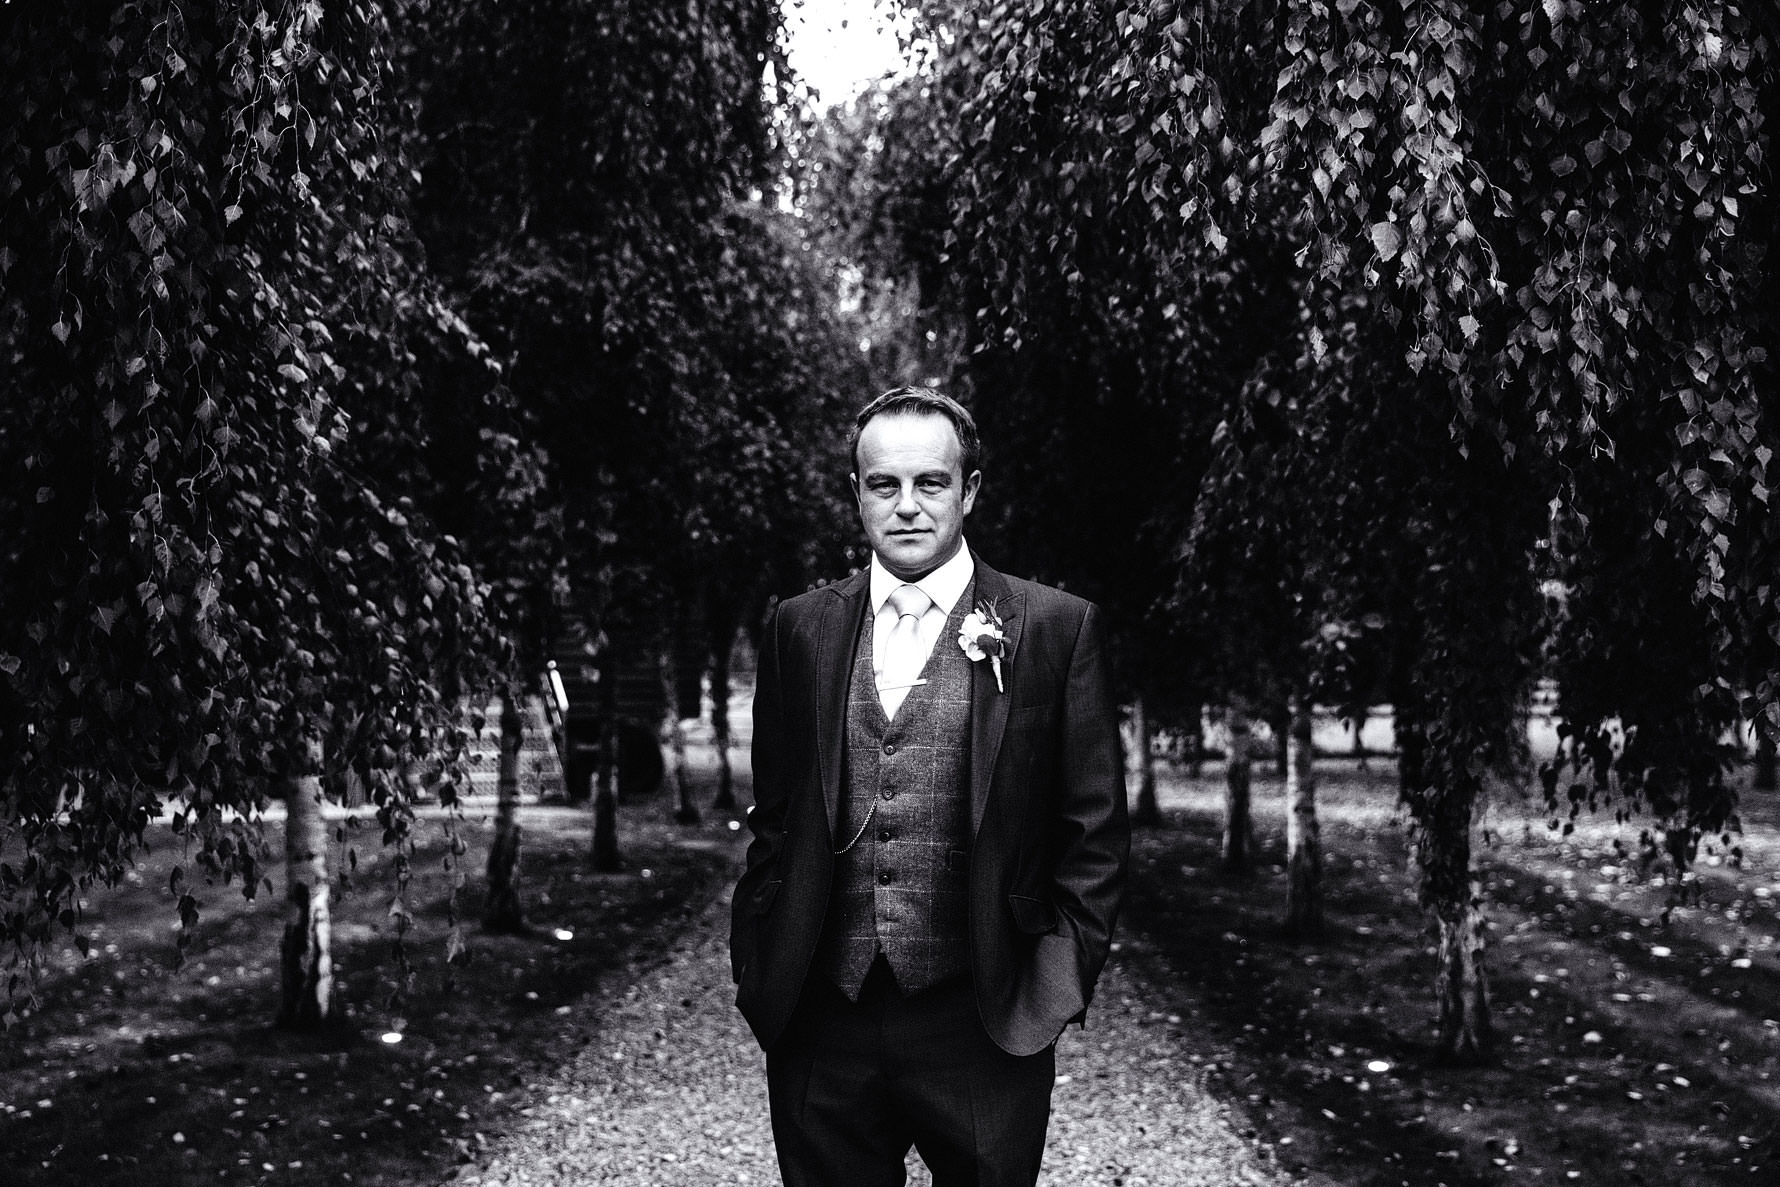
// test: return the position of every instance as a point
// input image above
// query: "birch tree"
(1237, 848)
(204, 279)
(1304, 846)
(505, 909)
(1140, 765)
(1548, 221)
(306, 962)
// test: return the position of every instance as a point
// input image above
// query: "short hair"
(922, 401)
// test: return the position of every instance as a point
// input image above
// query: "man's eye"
(933, 486)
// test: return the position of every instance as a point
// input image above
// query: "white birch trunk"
(1451, 893)
(606, 858)
(673, 736)
(720, 734)
(1140, 766)
(1304, 847)
(306, 960)
(1767, 764)
(1461, 985)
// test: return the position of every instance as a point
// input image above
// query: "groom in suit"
(939, 835)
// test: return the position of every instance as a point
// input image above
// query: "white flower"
(981, 637)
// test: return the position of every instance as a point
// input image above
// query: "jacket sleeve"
(1092, 838)
(766, 820)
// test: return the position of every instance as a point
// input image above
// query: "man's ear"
(970, 489)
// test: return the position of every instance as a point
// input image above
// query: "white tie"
(904, 656)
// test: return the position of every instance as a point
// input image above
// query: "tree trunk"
(306, 964)
(725, 801)
(1239, 827)
(1451, 894)
(1280, 723)
(1196, 742)
(1682, 844)
(1767, 769)
(1412, 754)
(673, 737)
(1304, 846)
(1140, 766)
(1460, 983)
(503, 912)
(605, 791)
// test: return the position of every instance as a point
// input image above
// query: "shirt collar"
(945, 585)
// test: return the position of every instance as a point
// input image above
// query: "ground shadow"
(1629, 1053)
(195, 1086)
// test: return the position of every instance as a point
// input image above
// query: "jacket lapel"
(836, 641)
(989, 704)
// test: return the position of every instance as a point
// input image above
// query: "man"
(939, 835)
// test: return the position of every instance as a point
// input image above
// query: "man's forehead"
(904, 437)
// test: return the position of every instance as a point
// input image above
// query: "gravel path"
(672, 1091)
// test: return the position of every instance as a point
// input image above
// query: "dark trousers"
(854, 1085)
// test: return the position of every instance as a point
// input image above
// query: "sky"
(840, 46)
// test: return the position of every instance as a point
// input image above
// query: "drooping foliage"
(593, 196)
(1573, 203)
(199, 271)
(1542, 228)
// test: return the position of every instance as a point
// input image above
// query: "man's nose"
(905, 503)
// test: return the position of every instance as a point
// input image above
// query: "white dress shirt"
(945, 585)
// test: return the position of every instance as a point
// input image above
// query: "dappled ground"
(1639, 1043)
(194, 1085)
(1640, 1038)
(613, 1055)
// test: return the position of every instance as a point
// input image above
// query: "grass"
(1636, 1013)
(193, 1084)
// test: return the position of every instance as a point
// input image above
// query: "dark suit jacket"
(1047, 808)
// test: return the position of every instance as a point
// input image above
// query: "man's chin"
(910, 557)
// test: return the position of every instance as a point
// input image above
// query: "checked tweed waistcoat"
(902, 889)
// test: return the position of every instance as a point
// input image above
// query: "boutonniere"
(981, 637)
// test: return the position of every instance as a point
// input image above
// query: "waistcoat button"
(885, 878)
(889, 747)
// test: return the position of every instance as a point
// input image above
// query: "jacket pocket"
(1033, 916)
(763, 898)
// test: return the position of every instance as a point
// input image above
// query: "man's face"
(912, 490)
